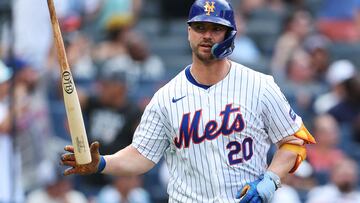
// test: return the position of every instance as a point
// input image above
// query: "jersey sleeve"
(150, 136)
(279, 118)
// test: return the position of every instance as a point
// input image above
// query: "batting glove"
(96, 166)
(261, 190)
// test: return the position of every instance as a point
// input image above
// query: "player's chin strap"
(300, 150)
(224, 48)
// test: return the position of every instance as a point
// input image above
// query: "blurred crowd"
(121, 51)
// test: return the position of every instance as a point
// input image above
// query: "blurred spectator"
(111, 118)
(326, 154)
(58, 189)
(78, 50)
(32, 27)
(143, 70)
(348, 109)
(300, 85)
(252, 8)
(296, 28)
(147, 66)
(338, 72)
(124, 190)
(69, 9)
(10, 167)
(356, 129)
(249, 6)
(70, 24)
(263, 21)
(118, 13)
(345, 17)
(78, 14)
(113, 46)
(32, 31)
(342, 185)
(246, 50)
(32, 137)
(5, 75)
(296, 4)
(277, 5)
(317, 47)
(298, 69)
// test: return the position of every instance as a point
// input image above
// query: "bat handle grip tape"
(102, 164)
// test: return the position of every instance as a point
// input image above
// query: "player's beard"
(205, 57)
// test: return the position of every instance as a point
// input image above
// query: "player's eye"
(201, 28)
(219, 28)
(198, 27)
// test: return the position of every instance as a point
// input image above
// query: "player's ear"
(189, 32)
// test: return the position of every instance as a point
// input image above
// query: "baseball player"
(214, 123)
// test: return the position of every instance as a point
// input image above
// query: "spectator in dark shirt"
(110, 118)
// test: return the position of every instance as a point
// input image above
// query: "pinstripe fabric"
(214, 139)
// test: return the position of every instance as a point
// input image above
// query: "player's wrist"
(273, 177)
(269, 183)
(102, 164)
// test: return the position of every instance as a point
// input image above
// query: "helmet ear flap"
(225, 48)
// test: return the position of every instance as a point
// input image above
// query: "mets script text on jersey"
(212, 128)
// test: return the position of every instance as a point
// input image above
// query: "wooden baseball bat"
(71, 99)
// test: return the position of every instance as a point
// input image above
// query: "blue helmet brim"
(211, 19)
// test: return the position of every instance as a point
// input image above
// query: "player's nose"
(208, 34)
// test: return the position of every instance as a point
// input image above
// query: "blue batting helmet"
(219, 12)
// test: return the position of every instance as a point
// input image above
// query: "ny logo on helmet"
(209, 8)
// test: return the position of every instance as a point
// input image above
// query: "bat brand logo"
(68, 84)
(80, 145)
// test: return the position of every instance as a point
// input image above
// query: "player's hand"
(259, 191)
(68, 159)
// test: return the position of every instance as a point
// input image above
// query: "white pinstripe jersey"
(214, 139)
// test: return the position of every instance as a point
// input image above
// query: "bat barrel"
(71, 99)
(75, 120)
